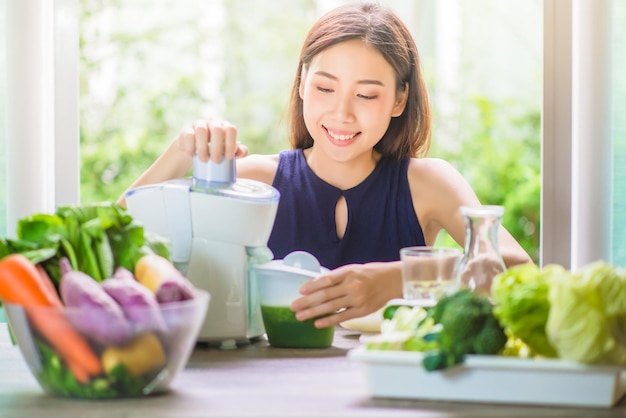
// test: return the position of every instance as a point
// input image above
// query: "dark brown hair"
(408, 135)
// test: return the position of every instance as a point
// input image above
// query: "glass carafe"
(482, 259)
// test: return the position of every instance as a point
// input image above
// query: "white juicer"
(218, 227)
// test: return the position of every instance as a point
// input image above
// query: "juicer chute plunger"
(218, 227)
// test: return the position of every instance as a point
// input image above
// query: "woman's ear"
(401, 98)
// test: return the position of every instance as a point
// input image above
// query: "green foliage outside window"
(497, 147)
(499, 154)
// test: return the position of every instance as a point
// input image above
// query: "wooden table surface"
(255, 381)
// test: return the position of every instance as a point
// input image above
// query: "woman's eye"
(325, 90)
(366, 97)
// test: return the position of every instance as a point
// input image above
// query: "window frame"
(576, 181)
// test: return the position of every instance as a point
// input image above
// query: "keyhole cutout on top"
(341, 216)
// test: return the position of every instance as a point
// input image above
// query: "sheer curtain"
(41, 135)
(3, 119)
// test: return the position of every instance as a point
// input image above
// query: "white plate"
(368, 324)
(399, 374)
(371, 323)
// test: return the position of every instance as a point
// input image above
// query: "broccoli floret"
(468, 327)
(491, 339)
(437, 360)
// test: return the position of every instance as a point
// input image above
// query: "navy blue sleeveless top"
(381, 217)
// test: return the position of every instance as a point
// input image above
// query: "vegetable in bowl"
(84, 323)
(145, 364)
(70, 356)
(95, 238)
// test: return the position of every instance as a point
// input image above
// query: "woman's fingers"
(187, 141)
(337, 318)
(211, 139)
(331, 312)
(328, 280)
(344, 293)
(319, 303)
(201, 133)
(230, 140)
(241, 151)
(326, 296)
(222, 141)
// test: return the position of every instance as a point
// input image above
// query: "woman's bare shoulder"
(437, 179)
(432, 169)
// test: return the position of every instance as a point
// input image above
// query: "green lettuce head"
(587, 321)
(522, 306)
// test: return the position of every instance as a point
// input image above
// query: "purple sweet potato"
(98, 316)
(174, 289)
(139, 304)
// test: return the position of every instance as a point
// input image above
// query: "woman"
(356, 187)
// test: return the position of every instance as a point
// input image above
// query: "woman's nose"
(343, 108)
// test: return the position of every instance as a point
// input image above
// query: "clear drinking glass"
(482, 259)
(428, 273)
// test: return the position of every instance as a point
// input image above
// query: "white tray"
(399, 374)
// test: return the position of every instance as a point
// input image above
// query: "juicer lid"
(300, 263)
(241, 189)
(220, 179)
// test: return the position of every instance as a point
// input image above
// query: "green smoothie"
(284, 330)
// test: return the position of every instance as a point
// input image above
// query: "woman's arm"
(512, 253)
(208, 139)
(438, 191)
(173, 163)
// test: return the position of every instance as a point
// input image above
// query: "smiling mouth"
(341, 137)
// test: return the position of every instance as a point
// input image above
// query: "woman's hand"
(211, 139)
(479, 273)
(348, 292)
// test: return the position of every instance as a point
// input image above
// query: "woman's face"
(349, 97)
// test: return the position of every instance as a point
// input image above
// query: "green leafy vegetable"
(587, 321)
(577, 316)
(459, 324)
(390, 311)
(404, 330)
(56, 378)
(522, 306)
(96, 238)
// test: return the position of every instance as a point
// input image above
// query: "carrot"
(64, 339)
(48, 286)
(79, 373)
(22, 284)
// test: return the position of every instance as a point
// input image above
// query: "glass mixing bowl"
(68, 363)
